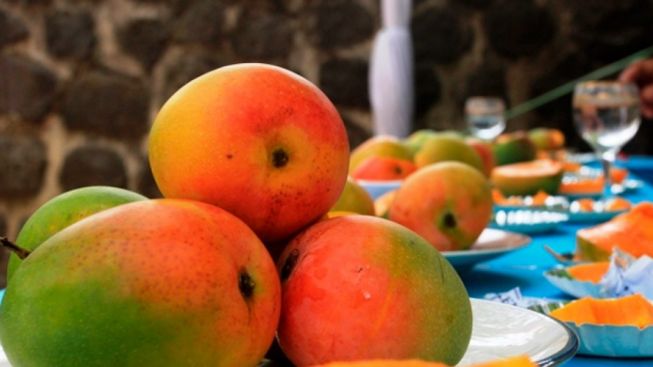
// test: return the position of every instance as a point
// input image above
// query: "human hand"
(641, 73)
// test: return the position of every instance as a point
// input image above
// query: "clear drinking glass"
(606, 115)
(485, 117)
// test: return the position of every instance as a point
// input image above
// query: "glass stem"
(607, 159)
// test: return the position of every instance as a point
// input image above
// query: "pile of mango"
(518, 163)
(240, 252)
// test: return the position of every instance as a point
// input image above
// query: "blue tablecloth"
(524, 268)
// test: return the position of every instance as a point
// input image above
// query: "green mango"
(447, 147)
(64, 210)
(513, 148)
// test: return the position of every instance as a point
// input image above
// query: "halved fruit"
(528, 178)
(589, 272)
(632, 232)
(632, 310)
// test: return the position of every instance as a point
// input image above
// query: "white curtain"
(391, 71)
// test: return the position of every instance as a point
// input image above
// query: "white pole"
(391, 71)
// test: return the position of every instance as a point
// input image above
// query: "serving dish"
(491, 243)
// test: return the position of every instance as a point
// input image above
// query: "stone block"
(107, 104)
(144, 40)
(22, 166)
(70, 33)
(344, 81)
(440, 36)
(92, 165)
(342, 23)
(518, 28)
(12, 28)
(28, 87)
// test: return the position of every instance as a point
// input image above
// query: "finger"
(647, 112)
(646, 94)
(630, 73)
(640, 72)
(646, 97)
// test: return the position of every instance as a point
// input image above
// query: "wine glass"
(606, 115)
(485, 117)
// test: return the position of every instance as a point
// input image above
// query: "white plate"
(3, 359)
(378, 188)
(573, 287)
(528, 221)
(593, 216)
(500, 331)
(492, 243)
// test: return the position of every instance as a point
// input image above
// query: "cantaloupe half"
(527, 178)
(520, 361)
(632, 232)
(632, 310)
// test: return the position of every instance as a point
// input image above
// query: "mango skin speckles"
(150, 283)
(257, 140)
(359, 287)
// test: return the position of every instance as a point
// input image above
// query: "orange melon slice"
(589, 272)
(527, 178)
(632, 310)
(632, 232)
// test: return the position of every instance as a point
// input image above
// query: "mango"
(354, 199)
(447, 147)
(484, 150)
(151, 283)
(383, 169)
(64, 210)
(447, 203)
(256, 140)
(547, 138)
(416, 140)
(378, 146)
(513, 148)
(361, 287)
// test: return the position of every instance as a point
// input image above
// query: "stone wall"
(80, 80)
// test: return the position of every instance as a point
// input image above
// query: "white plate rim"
(521, 240)
(560, 356)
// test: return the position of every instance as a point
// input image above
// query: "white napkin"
(627, 275)
(514, 297)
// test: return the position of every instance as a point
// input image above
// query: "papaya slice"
(617, 203)
(632, 310)
(592, 185)
(632, 232)
(589, 272)
(580, 187)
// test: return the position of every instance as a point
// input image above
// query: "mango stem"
(19, 251)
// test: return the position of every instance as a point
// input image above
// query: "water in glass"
(606, 114)
(485, 117)
(606, 125)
